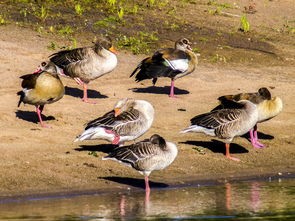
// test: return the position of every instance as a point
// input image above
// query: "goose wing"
(29, 80)
(121, 124)
(135, 153)
(63, 58)
(164, 63)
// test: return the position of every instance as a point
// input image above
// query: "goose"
(39, 89)
(268, 107)
(128, 120)
(169, 62)
(84, 64)
(226, 123)
(146, 156)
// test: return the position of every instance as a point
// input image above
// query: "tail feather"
(94, 133)
(21, 99)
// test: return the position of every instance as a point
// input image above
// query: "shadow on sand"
(159, 90)
(76, 92)
(31, 116)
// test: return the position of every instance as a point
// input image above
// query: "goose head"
(104, 42)
(183, 44)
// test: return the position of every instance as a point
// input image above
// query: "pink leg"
(39, 110)
(253, 139)
(256, 137)
(227, 153)
(172, 89)
(147, 188)
(85, 98)
(116, 138)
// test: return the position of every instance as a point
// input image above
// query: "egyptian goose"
(85, 64)
(169, 62)
(226, 123)
(268, 107)
(40, 89)
(127, 121)
(146, 156)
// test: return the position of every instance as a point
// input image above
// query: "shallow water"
(252, 200)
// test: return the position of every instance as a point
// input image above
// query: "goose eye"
(185, 41)
(43, 64)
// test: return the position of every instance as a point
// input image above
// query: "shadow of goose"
(139, 183)
(76, 92)
(217, 146)
(31, 116)
(159, 90)
(104, 148)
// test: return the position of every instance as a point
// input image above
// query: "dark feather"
(21, 98)
(29, 80)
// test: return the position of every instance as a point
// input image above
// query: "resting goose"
(169, 62)
(268, 107)
(85, 64)
(39, 89)
(146, 156)
(226, 123)
(127, 121)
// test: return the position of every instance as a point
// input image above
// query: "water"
(255, 200)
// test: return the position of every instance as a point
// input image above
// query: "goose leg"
(85, 98)
(172, 89)
(254, 139)
(227, 153)
(116, 137)
(255, 135)
(39, 109)
(147, 188)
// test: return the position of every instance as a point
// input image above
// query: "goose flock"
(130, 118)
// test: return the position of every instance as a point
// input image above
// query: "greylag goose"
(40, 89)
(226, 123)
(169, 62)
(268, 107)
(146, 156)
(127, 121)
(85, 64)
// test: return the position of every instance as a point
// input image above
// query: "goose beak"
(112, 49)
(117, 111)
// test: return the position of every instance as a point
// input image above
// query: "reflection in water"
(227, 201)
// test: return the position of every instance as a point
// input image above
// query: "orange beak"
(112, 49)
(117, 111)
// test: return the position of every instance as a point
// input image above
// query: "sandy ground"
(37, 160)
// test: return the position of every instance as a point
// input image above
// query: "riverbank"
(37, 160)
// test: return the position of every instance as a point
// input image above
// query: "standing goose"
(85, 64)
(40, 89)
(268, 107)
(146, 156)
(169, 62)
(127, 121)
(226, 123)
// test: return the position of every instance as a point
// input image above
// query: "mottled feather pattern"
(117, 124)
(135, 153)
(66, 57)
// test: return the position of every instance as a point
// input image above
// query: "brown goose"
(226, 123)
(127, 121)
(146, 156)
(268, 107)
(85, 64)
(40, 89)
(169, 62)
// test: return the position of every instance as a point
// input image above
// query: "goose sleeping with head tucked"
(236, 120)
(41, 88)
(85, 64)
(146, 156)
(169, 62)
(128, 120)
(268, 107)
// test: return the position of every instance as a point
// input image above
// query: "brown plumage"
(169, 62)
(268, 107)
(146, 156)
(84, 64)
(226, 123)
(40, 89)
